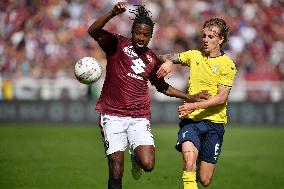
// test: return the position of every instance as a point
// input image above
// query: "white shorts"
(119, 132)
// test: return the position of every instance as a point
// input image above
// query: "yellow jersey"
(207, 74)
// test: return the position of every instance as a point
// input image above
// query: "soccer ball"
(88, 70)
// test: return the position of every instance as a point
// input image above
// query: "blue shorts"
(205, 135)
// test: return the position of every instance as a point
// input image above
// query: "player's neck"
(214, 53)
(141, 51)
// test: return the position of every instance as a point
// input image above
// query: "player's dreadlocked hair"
(142, 16)
(221, 24)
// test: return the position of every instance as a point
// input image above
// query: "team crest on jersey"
(149, 58)
(129, 51)
(215, 68)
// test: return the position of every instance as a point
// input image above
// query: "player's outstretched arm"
(199, 97)
(173, 57)
(168, 90)
(95, 29)
(167, 61)
(220, 98)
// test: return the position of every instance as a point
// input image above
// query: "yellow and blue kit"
(207, 73)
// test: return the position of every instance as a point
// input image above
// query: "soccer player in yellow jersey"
(202, 123)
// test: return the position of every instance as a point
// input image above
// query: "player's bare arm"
(199, 97)
(173, 57)
(167, 67)
(173, 92)
(220, 98)
(95, 29)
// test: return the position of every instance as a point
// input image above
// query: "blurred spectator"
(43, 39)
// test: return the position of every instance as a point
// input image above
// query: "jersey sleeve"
(159, 83)
(227, 76)
(186, 57)
(108, 41)
(153, 75)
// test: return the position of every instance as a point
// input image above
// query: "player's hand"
(198, 97)
(166, 69)
(119, 8)
(186, 108)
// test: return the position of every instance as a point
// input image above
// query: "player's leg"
(113, 130)
(188, 144)
(206, 171)
(145, 157)
(116, 168)
(210, 151)
(190, 153)
(142, 144)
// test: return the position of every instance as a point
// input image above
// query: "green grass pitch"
(72, 157)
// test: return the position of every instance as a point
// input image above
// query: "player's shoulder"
(124, 43)
(228, 63)
(227, 60)
(123, 38)
(187, 56)
(151, 55)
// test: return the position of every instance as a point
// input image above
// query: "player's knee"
(189, 158)
(148, 165)
(205, 180)
(190, 166)
(146, 157)
(148, 169)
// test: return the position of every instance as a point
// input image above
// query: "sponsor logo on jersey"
(138, 64)
(135, 76)
(129, 51)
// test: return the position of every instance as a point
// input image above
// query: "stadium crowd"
(44, 38)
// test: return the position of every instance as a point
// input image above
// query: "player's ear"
(221, 40)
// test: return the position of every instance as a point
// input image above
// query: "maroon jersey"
(125, 91)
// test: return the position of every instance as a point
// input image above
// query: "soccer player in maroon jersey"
(124, 103)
